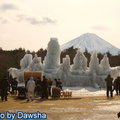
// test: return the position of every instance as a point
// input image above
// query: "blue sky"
(31, 23)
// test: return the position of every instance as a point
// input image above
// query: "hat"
(31, 78)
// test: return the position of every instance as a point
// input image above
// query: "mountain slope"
(92, 42)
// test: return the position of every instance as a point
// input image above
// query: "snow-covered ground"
(85, 91)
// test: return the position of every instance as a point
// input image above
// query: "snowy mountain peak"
(91, 42)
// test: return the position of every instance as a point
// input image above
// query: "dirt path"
(84, 108)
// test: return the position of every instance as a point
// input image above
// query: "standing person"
(56, 82)
(14, 86)
(59, 84)
(117, 85)
(30, 89)
(26, 82)
(49, 86)
(44, 85)
(38, 87)
(4, 88)
(109, 83)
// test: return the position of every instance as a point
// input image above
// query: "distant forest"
(11, 58)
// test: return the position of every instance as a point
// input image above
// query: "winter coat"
(44, 84)
(117, 83)
(30, 85)
(50, 83)
(4, 86)
(109, 81)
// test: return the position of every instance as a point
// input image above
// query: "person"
(117, 85)
(56, 83)
(59, 83)
(109, 84)
(118, 114)
(30, 89)
(49, 86)
(44, 85)
(26, 82)
(38, 87)
(26, 85)
(4, 88)
(14, 86)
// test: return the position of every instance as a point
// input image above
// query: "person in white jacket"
(30, 89)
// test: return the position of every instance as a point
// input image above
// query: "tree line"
(11, 58)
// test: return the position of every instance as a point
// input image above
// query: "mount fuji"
(91, 42)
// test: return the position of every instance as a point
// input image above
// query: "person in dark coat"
(49, 86)
(38, 87)
(14, 86)
(109, 84)
(117, 85)
(56, 82)
(118, 114)
(4, 89)
(44, 85)
(59, 83)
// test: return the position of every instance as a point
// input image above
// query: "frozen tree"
(26, 61)
(13, 72)
(94, 63)
(36, 64)
(104, 64)
(64, 69)
(17, 73)
(52, 59)
(80, 62)
(66, 64)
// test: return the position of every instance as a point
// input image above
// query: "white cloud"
(5, 7)
(35, 21)
(3, 20)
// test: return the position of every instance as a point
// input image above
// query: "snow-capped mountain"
(91, 42)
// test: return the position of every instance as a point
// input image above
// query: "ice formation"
(52, 59)
(104, 65)
(80, 62)
(77, 74)
(94, 63)
(64, 69)
(17, 73)
(36, 64)
(26, 61)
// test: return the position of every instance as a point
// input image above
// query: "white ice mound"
(36, 64)
(26, 61)
(80, 62)
(52, 59)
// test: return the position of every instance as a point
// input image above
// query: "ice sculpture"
(80, 62)
(13, 72)
(104, 65)
(17, 73)
(52, 59)
(36, 64)
(77, 74)
(94, 64)
(64, 69)
(26, 61)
